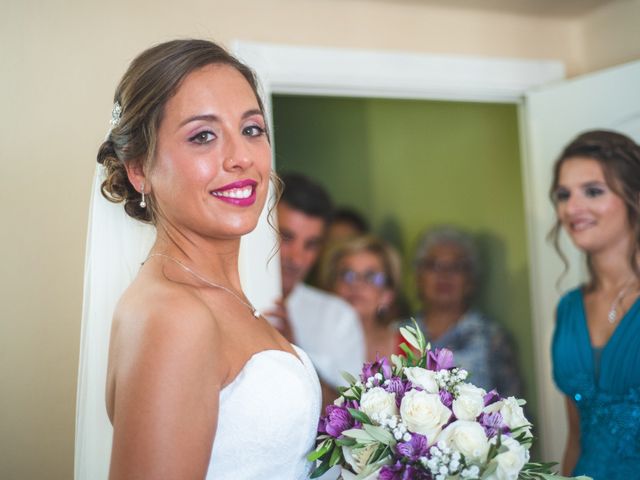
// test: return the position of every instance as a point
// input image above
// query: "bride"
(199, 385)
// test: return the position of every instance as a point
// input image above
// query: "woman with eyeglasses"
(447, 269)
(365, 271)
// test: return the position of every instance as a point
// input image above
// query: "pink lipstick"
(241, 193)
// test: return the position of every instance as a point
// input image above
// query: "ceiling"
(546, 8)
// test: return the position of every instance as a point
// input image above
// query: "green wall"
(408, 165)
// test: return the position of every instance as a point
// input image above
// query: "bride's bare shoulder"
(166, 346)
(160, 318)
(160, 300)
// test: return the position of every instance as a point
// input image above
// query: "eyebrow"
(590, 183)
(210, 117)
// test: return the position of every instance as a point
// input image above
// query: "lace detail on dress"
(608, 419)
(267, 419)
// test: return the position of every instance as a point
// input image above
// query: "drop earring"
(143, 204)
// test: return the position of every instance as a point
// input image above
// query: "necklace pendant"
(612, 315)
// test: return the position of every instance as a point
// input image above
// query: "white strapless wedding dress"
(267, 420)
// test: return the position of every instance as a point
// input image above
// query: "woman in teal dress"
(596, 344)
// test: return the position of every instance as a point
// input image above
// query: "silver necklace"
(612, 316)
(254, 310)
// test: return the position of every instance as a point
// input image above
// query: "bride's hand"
(279, 318)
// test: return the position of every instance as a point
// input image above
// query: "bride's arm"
(165, 392)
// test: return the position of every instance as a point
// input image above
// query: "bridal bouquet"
(416, 417)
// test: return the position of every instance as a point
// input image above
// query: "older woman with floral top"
(446, 272)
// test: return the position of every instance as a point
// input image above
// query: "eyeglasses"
(374, 279)
(436, 266)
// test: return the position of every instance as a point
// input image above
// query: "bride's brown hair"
(150, 81)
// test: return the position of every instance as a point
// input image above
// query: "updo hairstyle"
(150, 81)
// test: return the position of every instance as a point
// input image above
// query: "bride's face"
(210, 173)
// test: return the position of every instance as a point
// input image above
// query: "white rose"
(422, 378)
(494, 407)
(510, 462)
(468, 438)
(424, 413)
(513, 415)
(378, 403)
(469, 403)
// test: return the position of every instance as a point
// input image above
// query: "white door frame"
(301, 70)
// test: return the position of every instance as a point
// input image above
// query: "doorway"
(411, 164)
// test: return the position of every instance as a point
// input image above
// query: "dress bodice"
(267, 419)
(605, 387)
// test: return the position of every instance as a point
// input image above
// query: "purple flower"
(381, 365)
(446, 398)
(336, 420)
(440, 359)
(491, 397)
(493, 424)
(397, 386)
(415, 448)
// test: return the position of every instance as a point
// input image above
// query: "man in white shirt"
(322, 324)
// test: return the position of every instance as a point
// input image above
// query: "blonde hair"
(389, 256)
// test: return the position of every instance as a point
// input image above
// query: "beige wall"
(60, 63)
(611, 36)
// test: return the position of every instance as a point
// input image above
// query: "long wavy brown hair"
(619, 157)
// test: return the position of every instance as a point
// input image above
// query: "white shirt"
(329, 330)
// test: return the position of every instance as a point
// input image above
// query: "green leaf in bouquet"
(523, 435)
(491, 468)
(398, 362)
(336, 456)
(502, 449)
(381, 452)
(540, 466)
(346, 442)
(360, 416)
(320, 450)
(321, 470)
(544, 471)
(380, 434)
(360, 435)
(349, 378)
(494, 449)
(410, 337)
(372, 468)
(411, 358)
(352, 393)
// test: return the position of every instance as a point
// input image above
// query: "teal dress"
(605, 386)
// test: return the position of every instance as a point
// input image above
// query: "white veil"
(116, 245)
